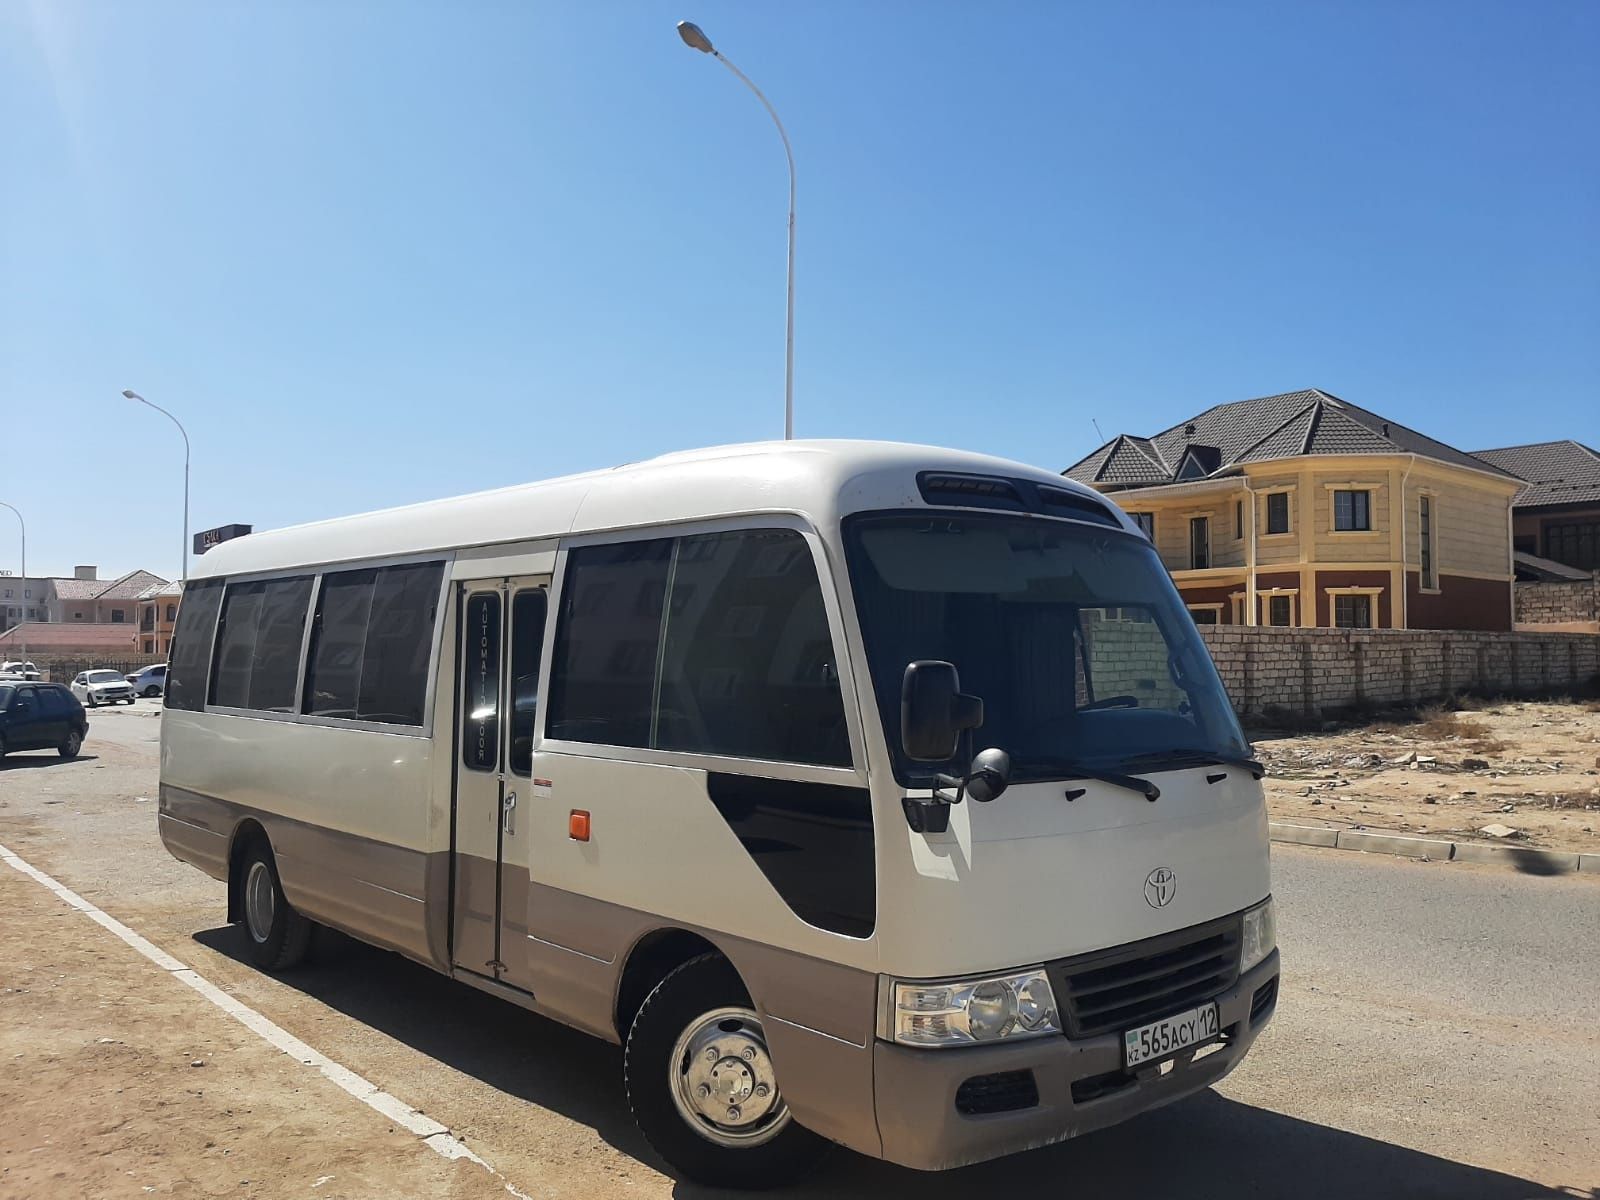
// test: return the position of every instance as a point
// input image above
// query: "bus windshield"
(1073, 636)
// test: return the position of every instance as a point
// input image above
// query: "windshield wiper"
(1194, 758)
(1065, 768)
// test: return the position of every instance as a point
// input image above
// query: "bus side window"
(527, 639)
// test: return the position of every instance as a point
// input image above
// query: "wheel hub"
(723, 1082)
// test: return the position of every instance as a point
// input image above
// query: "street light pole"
(24, 525)
(695, 39)
(133, 395)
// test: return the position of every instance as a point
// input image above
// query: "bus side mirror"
(990, 775)
(933, 711)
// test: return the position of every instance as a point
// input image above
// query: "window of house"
(734, 657)
(1199, 543)
(1278, 512)
(172, 612)
(372, 642)
(1146, 521)
(1280, 610)
(1205, 615)
(1352, 612)
(1352, 510)
(118, 617)
(1430, 578)
(190, 663)
(257, 660)
(1238, 519)
(1575, 543)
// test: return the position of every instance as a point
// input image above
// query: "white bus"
(867, 793)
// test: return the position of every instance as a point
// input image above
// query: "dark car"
(41, 716)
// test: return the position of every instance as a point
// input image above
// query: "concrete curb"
(1522, 858)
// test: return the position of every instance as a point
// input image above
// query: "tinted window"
(190, 663)
(602, 672)
(372, 643)
(527, 636)
(399, 644)
(747, 665)
(480, 677)
(236, 645)
(333, 673)
(6, 692)
(53, 702)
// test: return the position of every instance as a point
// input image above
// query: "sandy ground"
(1533, 768)
(117, 1080)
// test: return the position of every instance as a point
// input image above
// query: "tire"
(74, 743)
(2, 747)
(131, 700)
(665, 1064)
(278, 936)
(89, 701)
(151, 692)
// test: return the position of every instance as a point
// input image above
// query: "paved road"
(1436, 1037)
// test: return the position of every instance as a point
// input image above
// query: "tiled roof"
(78, 589)
(129, 586)
(1564, 472)
(1287, 425)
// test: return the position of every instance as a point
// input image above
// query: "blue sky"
(376, 253)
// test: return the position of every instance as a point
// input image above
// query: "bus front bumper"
(1080, 1086)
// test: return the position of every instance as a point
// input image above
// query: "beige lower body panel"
(372, 890)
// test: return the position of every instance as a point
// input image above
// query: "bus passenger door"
(501, 625)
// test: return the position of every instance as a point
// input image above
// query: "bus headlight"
(969, 1011)
(1260, 936)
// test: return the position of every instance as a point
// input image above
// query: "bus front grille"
(1105, 991)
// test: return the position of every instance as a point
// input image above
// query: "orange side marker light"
(578, 825)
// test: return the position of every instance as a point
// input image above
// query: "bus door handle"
(507, 808)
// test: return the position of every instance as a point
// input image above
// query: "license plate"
(1161, 1038)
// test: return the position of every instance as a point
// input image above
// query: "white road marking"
(434, 1135)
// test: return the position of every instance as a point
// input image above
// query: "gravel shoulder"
(116, 1080)
(1526, 772)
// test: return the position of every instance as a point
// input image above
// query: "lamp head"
(131, 394)
(695, 38)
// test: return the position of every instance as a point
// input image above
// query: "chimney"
(86, 572)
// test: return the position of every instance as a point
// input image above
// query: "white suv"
(101, 687)
(18, 670)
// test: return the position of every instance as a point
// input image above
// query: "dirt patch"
(118, 1081)
(1533, 767)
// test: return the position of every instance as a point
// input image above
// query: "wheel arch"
(651, 958)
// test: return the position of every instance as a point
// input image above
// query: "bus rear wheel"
(279, 936)
(701, 1084)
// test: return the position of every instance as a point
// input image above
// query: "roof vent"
(1188, 430)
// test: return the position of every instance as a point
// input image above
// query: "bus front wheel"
(701, 1084)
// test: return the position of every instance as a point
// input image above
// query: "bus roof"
(821, 480)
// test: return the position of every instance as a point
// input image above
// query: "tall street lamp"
(695, 39)
(24, 525)
(133, 395)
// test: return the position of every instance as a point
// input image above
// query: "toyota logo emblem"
(1160, 886)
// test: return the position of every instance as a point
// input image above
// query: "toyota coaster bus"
(866, 793)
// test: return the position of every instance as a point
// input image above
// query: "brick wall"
(1308, 670)
(1551, 603)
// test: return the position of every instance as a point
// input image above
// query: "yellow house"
(1305, 510)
